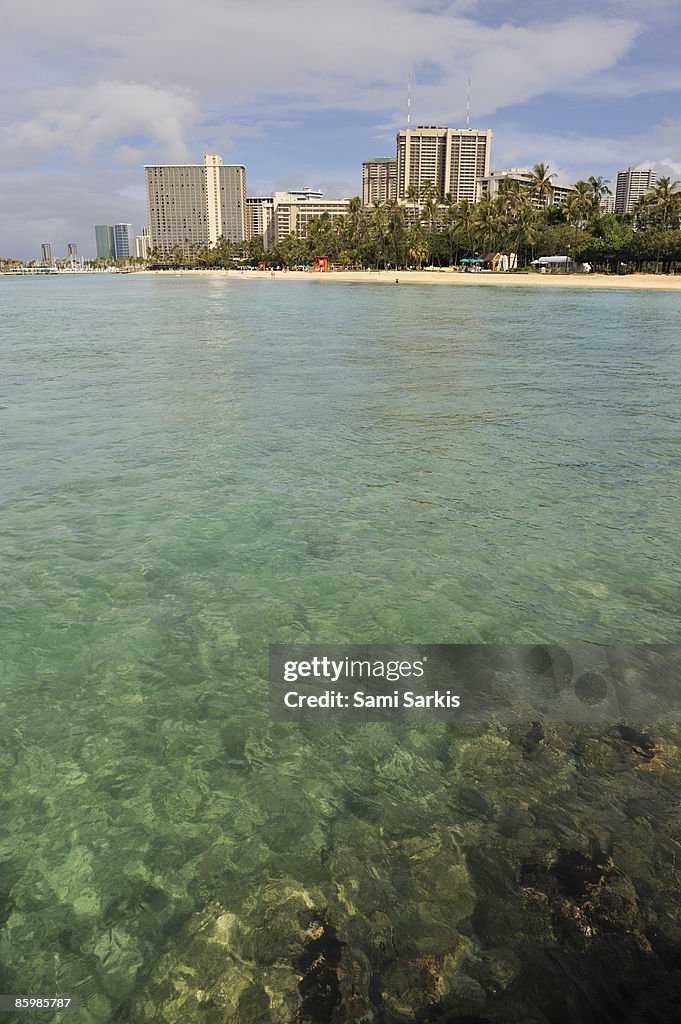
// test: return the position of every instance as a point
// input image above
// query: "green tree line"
(521, 219)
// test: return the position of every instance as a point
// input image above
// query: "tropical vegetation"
(522, 219)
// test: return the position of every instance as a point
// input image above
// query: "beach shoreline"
(647, 282)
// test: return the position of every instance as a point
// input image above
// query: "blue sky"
(302, 92)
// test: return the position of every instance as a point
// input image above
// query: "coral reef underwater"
(381, 874)
(530, 876)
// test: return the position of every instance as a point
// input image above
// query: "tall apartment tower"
(123, 241)
(260, 218)
(196, 204)
(104, 241)
(46, 253)
(379, 180)
(451, 158)
(141, 244)
(631, 185)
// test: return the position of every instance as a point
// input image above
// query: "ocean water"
(195, 468)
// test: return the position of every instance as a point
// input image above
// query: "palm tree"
(527, 231)
(541, 184)
(352, 222)
(598, 191)
(413, 195)
(379, 227)
(428, 192)
(644, 211)
(666, 204)
(489, 220)
(464, 223)
(450, 222)
(431, 214)
(418, 247)
(583, 193)
(512, 192)
(397, 230)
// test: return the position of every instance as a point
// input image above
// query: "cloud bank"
(95, 91)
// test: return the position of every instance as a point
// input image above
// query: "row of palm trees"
(522, 218)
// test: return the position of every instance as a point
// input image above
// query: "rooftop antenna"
(468, 104)
(409, 103)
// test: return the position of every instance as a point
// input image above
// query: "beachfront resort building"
(452, 159)
(196, 204)
(293, 211)
(379, 180)
(492, 183)
(260, 218)
(631, 185)
(288, 213)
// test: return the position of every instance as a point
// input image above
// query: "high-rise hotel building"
(451, 158)
(379, 180)
(196, 204)
(631, 185)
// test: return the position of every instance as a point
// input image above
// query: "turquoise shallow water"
(194, 468)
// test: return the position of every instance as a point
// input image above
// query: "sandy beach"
(651, 282)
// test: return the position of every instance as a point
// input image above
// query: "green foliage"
(520, 219)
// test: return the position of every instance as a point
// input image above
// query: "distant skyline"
(302, 94)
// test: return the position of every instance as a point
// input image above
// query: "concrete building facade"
(141, 244)
(452, 159)
(288, 213)
(196, 204)
(379, 180)
(260, 218)
(46, 253)
(631, 185)
(293, 211)
(492, 183)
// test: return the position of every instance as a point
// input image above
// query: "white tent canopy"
(547, 261)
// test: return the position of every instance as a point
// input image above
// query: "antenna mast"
(409, 103)
(468, 104)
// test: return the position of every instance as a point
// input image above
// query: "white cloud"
(358, 59)
(94, 86)
(575, 157)
(260, 58)
(78, 120)
(60, 208)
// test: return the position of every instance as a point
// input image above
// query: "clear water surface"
(194, 468)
